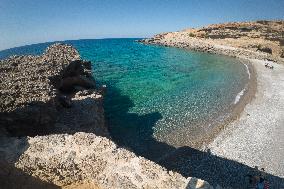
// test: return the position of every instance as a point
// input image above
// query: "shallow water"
(158, 93)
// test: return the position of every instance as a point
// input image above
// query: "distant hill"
(267, 36)
(262, 37)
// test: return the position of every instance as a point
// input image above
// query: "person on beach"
(262, 184)
(259, 181)
(268, 66)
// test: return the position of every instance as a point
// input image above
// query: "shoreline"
(207, 133)
(32, 154)
(203, 140)
(237, 109)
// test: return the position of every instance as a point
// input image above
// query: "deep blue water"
(157, 93)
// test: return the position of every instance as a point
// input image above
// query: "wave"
(241, 93)
(247, 70)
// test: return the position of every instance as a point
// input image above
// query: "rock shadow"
(131, 130)
(11, 149)
(135, 132)
(35, 118)
(14, 178)
(39, 118)
(214, 169)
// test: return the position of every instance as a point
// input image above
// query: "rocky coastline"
(253, 40)
(53, 132)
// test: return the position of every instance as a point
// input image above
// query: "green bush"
(191, 35)
(206, 35)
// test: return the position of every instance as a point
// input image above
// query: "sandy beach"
(257, 137)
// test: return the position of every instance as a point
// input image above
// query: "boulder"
(264, 49)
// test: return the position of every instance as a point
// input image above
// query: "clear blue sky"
(33, 21)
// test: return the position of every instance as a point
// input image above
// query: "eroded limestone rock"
(84, 157)
(36, 90)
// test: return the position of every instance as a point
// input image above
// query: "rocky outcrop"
(270, 30)
(260, 39)
(26, 79)
(37, 91)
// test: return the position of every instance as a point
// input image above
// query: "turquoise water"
(158, 93)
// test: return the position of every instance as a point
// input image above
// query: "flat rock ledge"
(53, 134)
(86, 158)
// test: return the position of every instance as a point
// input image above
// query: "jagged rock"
(31, 89)
(70, 83)
(264, 49)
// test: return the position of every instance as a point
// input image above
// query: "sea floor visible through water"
(160, 97)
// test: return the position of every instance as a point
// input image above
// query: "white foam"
(239, 95)
(247, 70)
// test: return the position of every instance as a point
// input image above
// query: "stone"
(265, 49)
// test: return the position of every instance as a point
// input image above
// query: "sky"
(25, 22)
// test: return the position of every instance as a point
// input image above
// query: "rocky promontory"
(53, 133)
(259, 39)
(37, 93)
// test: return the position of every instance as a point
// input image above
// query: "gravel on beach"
(257, 138)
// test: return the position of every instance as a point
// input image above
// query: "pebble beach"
(257, 137)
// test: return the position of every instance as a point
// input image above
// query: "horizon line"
(66, 40)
